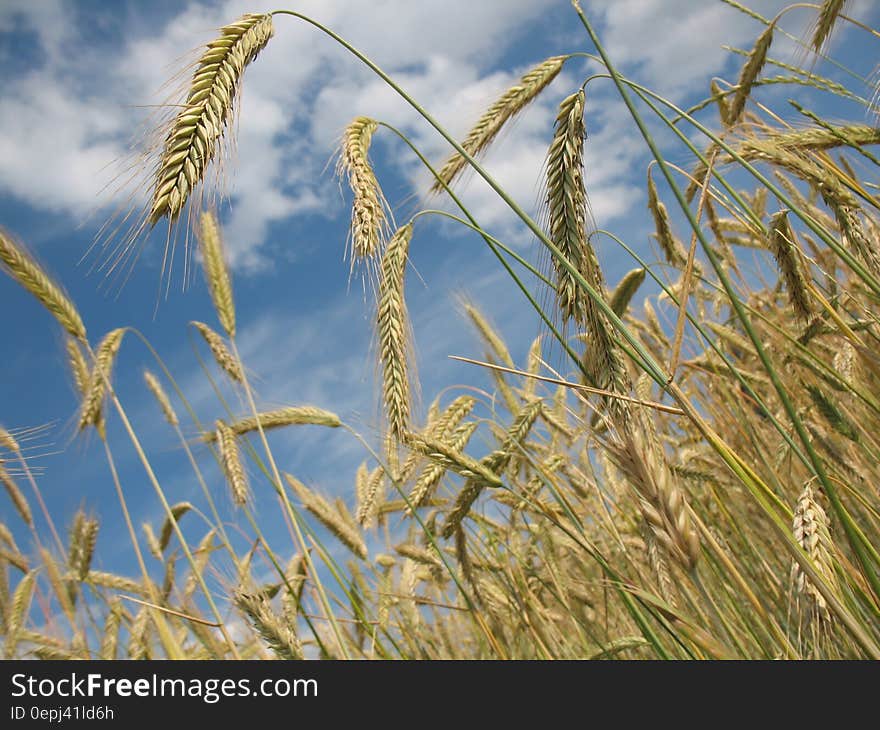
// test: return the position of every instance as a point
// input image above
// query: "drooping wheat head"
(508, 105)
(193, 136)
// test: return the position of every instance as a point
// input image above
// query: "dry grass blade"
(230, 458)
(192, 138)
(393, 333)
(221, 353)
(510, 103)
(369, 222)
(21, 267)
(216, 271)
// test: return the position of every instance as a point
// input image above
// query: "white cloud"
(63, 123)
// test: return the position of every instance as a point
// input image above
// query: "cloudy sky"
(84, 80)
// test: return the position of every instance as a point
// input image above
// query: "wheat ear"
(155, 387)
(393, 333)
(191, 142)
(288, 416)
(508, 105)
(788, 257)
(749, 74)
(828, 14)
(105, 357)
(21, 267)
(232, 465)
(567, 220)
(369, 222)
(216, 271)
(221, 353)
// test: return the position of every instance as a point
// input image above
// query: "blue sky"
(81, 79)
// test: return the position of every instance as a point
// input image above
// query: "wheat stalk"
(193, 135)
(508, 105)
(21, 267)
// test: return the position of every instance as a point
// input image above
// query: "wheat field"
(685, 465)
